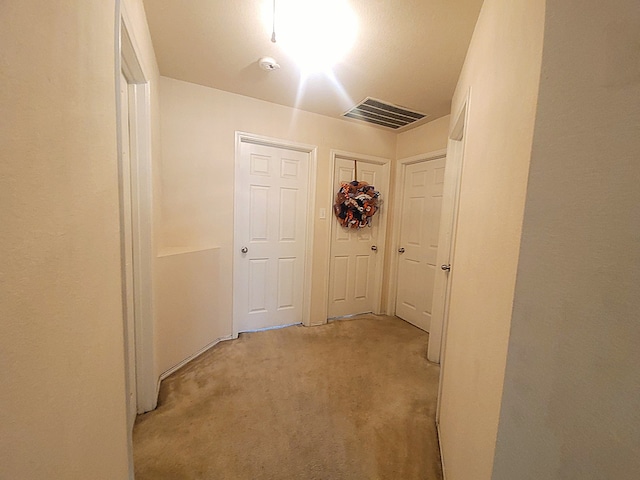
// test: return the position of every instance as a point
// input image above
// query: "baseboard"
(265, 329)
(177, 367)
(444, 471)
(353, 315)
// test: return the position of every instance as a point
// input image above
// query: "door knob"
(401, 250)
(374, 248)
(446, 268)
(244, 249)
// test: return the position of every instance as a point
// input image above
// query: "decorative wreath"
(356, 203)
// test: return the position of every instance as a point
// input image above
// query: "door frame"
(358, 157)
(400, 176)
(448, 231)
(128, 61)
(244, 137)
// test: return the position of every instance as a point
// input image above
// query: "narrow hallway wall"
(62, 401)
(502, 70)
(571, 394)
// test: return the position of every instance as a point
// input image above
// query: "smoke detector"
(269, 64)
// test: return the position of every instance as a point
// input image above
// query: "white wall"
(198, 142)
(571, 406)
(502, 70)
(62, 401)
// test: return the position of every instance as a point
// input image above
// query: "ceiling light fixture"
(315, 33)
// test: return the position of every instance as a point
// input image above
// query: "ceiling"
(407, 52)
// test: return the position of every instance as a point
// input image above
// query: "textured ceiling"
(407, 52)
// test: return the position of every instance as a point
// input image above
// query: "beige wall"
(426, 138)
(502, 69)
(571, 406)
(62, 401)
(198, 142)
(187, 304)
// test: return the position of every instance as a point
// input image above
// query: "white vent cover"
(383, 114)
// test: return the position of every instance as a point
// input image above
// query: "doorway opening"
(134, 169)
(446, 254)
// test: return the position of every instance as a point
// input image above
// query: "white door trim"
(382, 231)
(127, 61)
(448, 230)
(126, 56)
(400, 173)
(243, 137)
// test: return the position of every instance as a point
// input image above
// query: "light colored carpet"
(354, 399)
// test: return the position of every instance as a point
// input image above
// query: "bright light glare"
(316, 33)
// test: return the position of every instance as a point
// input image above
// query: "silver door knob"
(446, 268)
(244, 249)
(374, 248)
(401, 250)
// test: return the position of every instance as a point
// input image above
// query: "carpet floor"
(354, 399)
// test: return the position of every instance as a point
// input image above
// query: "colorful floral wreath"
(356, 203)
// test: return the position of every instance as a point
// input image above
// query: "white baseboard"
(444, 471)
(190, 358)
(265, 329)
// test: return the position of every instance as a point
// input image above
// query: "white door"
(419, 230)
(357, 254)
(271, 202)
(127, 251)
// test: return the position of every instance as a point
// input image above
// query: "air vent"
(383, 114)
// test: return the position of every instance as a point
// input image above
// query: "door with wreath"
(357, 236)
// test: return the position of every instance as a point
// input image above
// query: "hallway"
(353, 399)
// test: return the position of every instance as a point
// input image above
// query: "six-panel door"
(353, 272)
(272, 204)
(420, 225)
